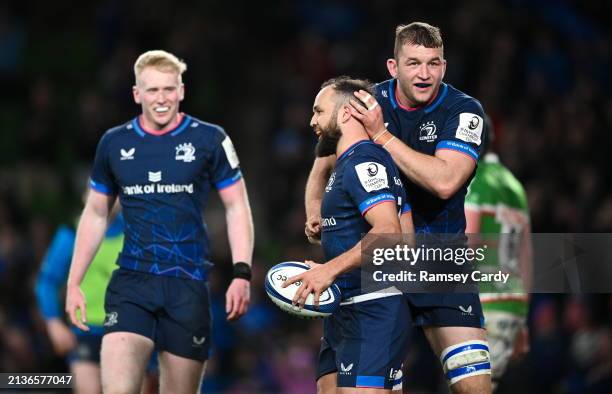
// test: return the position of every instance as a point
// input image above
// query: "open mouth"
(422, 85)
(162, 110)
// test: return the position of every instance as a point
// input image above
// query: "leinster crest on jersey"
(427, 132)
(185, 152)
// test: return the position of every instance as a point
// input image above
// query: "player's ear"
(443, 68)
(182, 92)
(392, 67)
(345, 114)
(136, 94)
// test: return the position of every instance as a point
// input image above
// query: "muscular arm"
(241, 238)
(472, 221)
(406, 223)
(442, 174)
(90, 233)
(383, 219)
(472, 227)
(315, 185)
(239, 221)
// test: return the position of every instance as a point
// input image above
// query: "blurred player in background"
(433, 132)
(496, 203)
(82, 347)
(364, 341)
(162, 165)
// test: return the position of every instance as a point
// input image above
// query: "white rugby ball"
(329, 300)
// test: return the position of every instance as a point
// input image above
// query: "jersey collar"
(352, 148)
(442, 92)
(173, 132)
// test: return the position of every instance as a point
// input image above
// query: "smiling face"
(159, 92)
(419, 71)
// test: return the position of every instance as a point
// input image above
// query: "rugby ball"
(329, 300)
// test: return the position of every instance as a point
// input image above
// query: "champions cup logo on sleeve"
(373, 176)
(230, 152)
(470, 128)
(372, 169)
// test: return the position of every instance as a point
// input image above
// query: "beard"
(328, 142)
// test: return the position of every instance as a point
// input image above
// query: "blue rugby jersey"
(163, 182)
(453, 120)
(364, 176)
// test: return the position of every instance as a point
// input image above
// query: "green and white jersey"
(98, 275)
(56, 264)
(502, 203)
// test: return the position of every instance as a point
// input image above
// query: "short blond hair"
(160, 60)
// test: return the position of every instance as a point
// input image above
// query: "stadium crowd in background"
(540, 69)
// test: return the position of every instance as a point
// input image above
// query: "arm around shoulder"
(315, 185)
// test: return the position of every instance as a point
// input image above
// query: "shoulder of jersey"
(118, 130)
(207, 127)
(370, 152)
(456, 97)
(124, 129)
(381, 91)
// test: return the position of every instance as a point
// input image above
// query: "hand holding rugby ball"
(329, 299)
